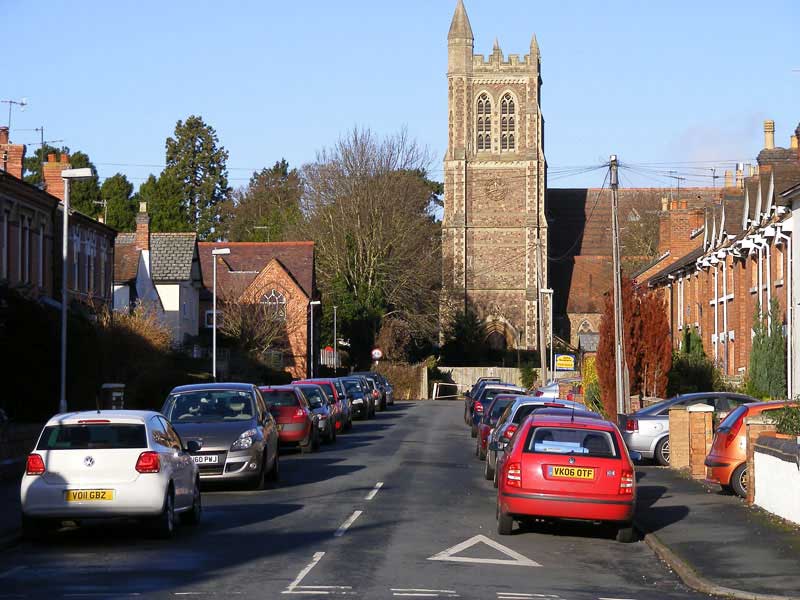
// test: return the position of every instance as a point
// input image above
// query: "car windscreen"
(339, 387)
(209, 406)
(568, 440)
(92, 436)
(280, 398)
(353, 386)
(728, 422)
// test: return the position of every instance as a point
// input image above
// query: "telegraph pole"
(619, 342)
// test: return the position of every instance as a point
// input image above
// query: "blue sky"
(655, 82)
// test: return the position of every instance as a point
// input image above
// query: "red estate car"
(567, 468)
(297, 423)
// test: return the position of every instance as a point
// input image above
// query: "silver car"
(236, 434)
(509, 421)
(647, 430)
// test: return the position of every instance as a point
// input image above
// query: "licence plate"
(206, 459)
(88, 495)
(558, 472)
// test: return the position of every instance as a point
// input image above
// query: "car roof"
(568, 413)
(525, 400)
(282, 387)
(197, 387)
(505, 386)
(584, 422)
(120, 416)
(770, 404)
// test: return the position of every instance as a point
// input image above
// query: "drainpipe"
(760, 281)
(789, 312)
(716, 313)
(768, 267)
(725, 311)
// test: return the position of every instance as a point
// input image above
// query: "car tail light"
(94, 421)
(510, 431)
(478, 407)
(375, 393)
(514, 475)
(34, 465)
(538, 394)
(299, 413)
(570, 396)
(554, 405)
(733, 432)
(631, 424)
(148, 462)
(626, 482)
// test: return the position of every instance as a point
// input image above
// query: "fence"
(464, 377)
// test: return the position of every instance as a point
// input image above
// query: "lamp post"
(215, 253)
(66, 175)
(312, 304)
(549, 292)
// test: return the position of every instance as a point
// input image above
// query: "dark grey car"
(237, 435)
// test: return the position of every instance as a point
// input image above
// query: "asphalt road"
(361, 519)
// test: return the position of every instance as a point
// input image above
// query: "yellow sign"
(571, 472)
(88, 495)
(565, 362)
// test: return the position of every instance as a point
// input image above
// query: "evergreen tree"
(167, 213)
(465, 339)
(197, 165)
(121, 210)
(766, 376)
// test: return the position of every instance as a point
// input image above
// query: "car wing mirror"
(493, 446)
(635, 456)
(192, 446)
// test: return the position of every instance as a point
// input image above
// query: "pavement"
(396, 508)
(727, 547)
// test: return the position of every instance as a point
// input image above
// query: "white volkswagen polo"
(109, 464)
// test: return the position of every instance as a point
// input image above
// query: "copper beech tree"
(648, 349)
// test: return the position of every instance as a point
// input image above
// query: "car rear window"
(352, 385)
(91, 436)
(731, 419)
(525, 410)
(280, 398)
(209, 405)
(498, 407)
(567, 440)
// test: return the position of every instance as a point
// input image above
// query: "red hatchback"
(557, 467)
(297, 423)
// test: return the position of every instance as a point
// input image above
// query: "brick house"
(161, 270)
(281, 274)
(30, 235)
(741, 257)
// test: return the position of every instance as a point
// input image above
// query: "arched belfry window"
(483, 123)
(508, 123)
(276, 303)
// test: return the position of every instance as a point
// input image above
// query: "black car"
(360, 396)
(378, 384)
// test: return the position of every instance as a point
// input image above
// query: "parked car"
(727, 459)
(100, 464)
(338, 402)
(469, 397)
(647, 430)
(363, 401)
(347, 402)
(488, 421)
(509, 422)
(383, 386)
(559, 467)
(298, 424)
(236, 435)
(484, 398)
(549, 390)
(322, 406)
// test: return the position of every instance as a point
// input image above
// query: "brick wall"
(755, 427)
(679, 438)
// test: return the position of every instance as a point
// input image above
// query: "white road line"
(12, 570)
(601, 598)
(317, 557)
(346, 525)
(374, 491)
(422, 590)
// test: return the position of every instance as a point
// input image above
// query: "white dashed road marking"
(423, 593)
(374, 491)
(317, 557)
(345, 526)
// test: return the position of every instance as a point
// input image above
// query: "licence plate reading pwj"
(206, 459)
(559, 472)
(88, 495)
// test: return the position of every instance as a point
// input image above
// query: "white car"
(109, 464)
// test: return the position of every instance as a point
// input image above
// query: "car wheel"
(164, 524)
(481, 451)
(193, 516)
(662, 452)
(383, 404)
(34, 529)
(275, 471)
(488, 471)
(626, 534)
(739, 480)
(473, 431)
(494, 476)
(505, 523)
(332, 435)
(308, 446)
(316, 443)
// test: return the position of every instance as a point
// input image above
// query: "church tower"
(494, 232)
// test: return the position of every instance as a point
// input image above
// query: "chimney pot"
(51, 157)
(664, 204)
(684, 204)
(65, 158)
(792, 144)
(728, 179)
(142, 207)
(769, 134)
(3, 135)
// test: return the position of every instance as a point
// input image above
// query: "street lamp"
(214, 253)
(66, 175)
(312, 304)
(549, 292)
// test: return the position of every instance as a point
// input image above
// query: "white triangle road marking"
(515, 558)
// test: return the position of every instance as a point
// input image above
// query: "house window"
(276, 303)
(274, 359)
(41, 256)
(483, 125)
(507, 123)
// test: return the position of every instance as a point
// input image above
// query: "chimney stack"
(12, 156)
(740, 175)
(793, 142)
(769, 134)
(728, 179)
(143, 228)
(53, 183)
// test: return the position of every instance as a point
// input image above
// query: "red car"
(337, 402)
(489, 420)
(558, 467)
(297, 423)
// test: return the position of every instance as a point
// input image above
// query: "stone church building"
(494, 228)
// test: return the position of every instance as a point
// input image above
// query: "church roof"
(459, 26)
